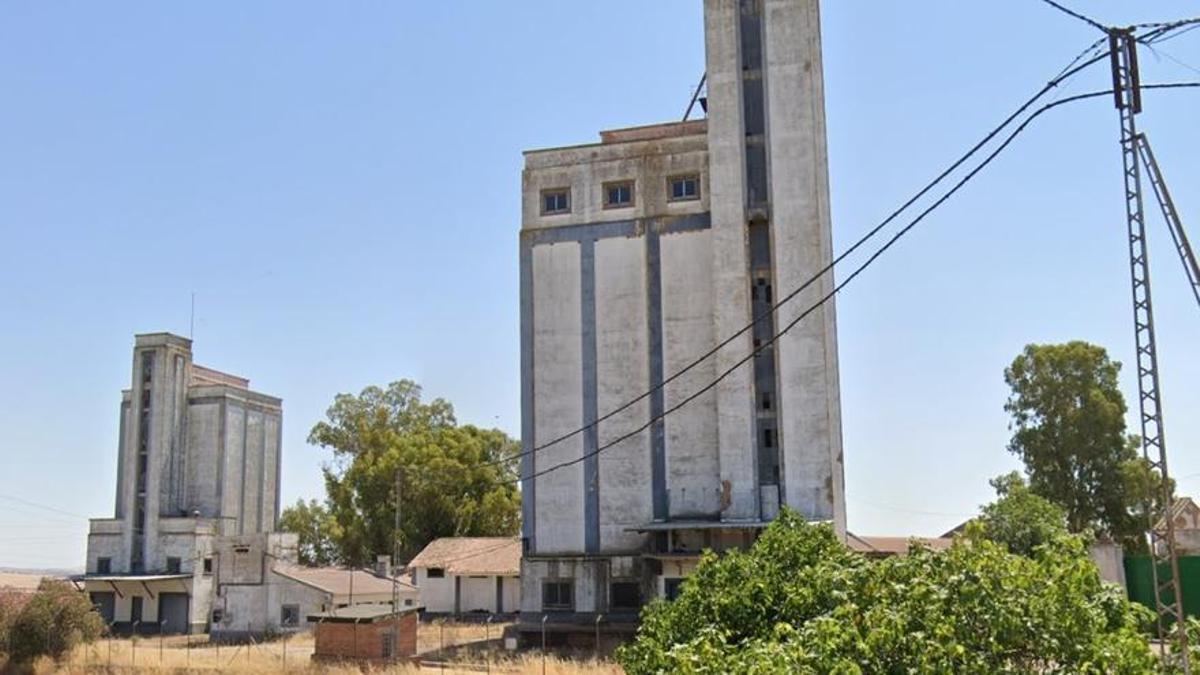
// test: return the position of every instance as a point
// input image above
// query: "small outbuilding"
(460, 575)
(365, 633)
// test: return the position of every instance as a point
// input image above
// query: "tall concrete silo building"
(639, 254)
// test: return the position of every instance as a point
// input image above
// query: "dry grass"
(466, 652)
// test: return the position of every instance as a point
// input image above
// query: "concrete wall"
(810, 408)
(558, 383)
(693, 461)
(437, 595)
(625, 491)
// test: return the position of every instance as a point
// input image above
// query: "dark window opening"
(618, 194)
(139, 518)
(173, 565)
(625, 595)
(217, 615)
(765, 399)
(208, 565)
(556, 201)
(435, 573)
(103, 565)
(768, 438)
(241, 549)
(672, 587)
(558, 595)
(289, 615)
(685, 188)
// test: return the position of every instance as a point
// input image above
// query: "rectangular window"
(435, 573)
(557, 200)
(103, 565)
(684, 188)
(558, 595)
(625, 595)
(173, 565)
(618, 195)
(208, 565)
(672, 587)
(289, 615)
(768, 438)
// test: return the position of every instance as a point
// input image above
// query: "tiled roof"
(886, 546)
(472, 555)
(338, 581)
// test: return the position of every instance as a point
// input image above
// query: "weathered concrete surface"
(615, 300)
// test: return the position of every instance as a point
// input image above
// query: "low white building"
(462, 575)
(260, 590)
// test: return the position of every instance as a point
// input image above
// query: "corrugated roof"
(886, 546)
(338, 581)
(472, 555)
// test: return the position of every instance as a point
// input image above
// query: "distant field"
(19, 581)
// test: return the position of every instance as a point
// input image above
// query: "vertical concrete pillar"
(727, 190)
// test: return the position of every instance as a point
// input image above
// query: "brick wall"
(364, 640)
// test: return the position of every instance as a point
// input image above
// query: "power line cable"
(1072, 68)
(875, 256)
(1091, 22)
(35, 505)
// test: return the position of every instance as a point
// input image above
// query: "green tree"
(1068, 423)
(448, 485)
(317, 530)
(52, 622)
(800, 602)
(1019, 520)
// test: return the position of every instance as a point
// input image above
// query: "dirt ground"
(467, 649)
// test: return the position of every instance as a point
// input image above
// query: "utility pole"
(1168, 600)
(396, 570)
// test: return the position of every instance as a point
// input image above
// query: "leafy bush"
(801, 602)
(1019, 519)
(52, 622)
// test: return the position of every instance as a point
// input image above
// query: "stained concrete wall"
(693, 461)
(810, 409)
(558, 379)
(731, 286)
(622, 375)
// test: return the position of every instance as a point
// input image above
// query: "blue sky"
(339, 185)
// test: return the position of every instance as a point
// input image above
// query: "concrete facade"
(638, 255)
(198, 459)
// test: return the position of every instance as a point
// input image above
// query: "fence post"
(133, 644)
(544, 618)
(162, 629)
(599, 618)
(487, 642)
(442, 646)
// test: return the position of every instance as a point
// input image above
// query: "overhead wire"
(875, 256)
(1071, 69)
(1088, 20)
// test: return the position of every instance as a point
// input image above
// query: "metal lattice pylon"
(1167, 597)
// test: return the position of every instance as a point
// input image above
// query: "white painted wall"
(621, 375)
(437, 595)
(557, 395)
(693, 467)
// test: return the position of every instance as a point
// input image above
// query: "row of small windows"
(174, 565)
(621, 194)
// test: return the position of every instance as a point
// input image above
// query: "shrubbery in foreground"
(50, 622)
(801, 602)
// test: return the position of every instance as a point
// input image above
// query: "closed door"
(135, 609)
(173, 612)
